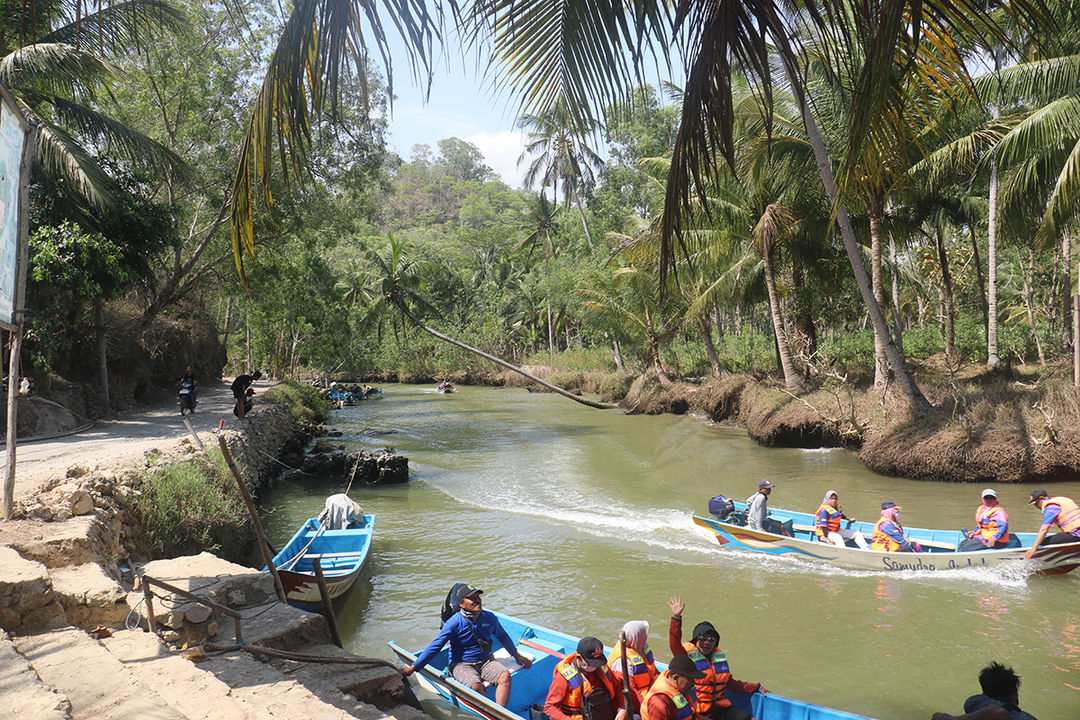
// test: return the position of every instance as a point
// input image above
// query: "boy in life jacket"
(640, 665)
(582, 678)
(670, 697)
(702, 650)
(1060, 511)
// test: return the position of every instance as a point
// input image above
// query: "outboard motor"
(450, 604)
(721, 506)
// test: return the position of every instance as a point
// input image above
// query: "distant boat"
(445, 387)
(939, 547)
(341, 554)
(342, 396)
(546, 648)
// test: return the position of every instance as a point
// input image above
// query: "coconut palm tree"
(397, 281)
(53, 60)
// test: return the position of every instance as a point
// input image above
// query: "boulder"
(89, 596)
(27, 599)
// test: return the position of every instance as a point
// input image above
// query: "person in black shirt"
(241, 388)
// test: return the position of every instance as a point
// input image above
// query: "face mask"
(473, 615)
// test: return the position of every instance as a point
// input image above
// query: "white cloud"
(501, 152)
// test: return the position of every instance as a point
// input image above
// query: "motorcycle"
(186, 397)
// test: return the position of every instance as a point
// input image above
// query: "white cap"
(989, 492)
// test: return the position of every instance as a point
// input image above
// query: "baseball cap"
(466, 590)
(591, 651)
(684, 666)
(890, 504)
(1036, 495)
(764, 484)
(989, 492)
(705, 628)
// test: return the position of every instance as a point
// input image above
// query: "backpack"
(721, 506)
(450, 604)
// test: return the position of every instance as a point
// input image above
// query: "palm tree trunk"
(1029, 300)
(102, 355)
(502, 363)
(898, 327)
(225, 333)
(993, 360)
(550, 329)
(1066, 293)
(805, 330)
(705, 328)
(792, 380)
(979, 277)
(947, 297)
(918, 402)
(584, 222)
(616, 353)
(881, 364)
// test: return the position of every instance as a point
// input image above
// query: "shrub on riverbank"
(304, 401)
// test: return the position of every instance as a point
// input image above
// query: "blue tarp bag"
(721, 506)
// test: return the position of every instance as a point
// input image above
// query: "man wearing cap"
(710, 660)
(889, 533)
(582, 678)
(470, 633)
(670, 697)
(991, 526)
(757, 507)
(1060, 511)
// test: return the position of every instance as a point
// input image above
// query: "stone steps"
(22, 694)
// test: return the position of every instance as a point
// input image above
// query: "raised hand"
(677, 605)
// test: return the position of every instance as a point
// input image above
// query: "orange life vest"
(641, 666)
(709, 690)
(581, 683)
(1069, 517)
(881, 541)
(664, 686)
(987, 520)
(832, 524)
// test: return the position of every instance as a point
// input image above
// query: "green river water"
(579, 520)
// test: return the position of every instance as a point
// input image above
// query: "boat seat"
(503, 657)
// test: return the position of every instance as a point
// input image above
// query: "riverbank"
(1016, 425)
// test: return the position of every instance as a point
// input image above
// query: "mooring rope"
(298, 657)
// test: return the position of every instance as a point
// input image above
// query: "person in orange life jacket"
(889, 533)
(470, 634)
(828, 520)
(708, 658)
(991, 526)
(671, 695)
(639, 661)
(1060, 511)
(575, 676)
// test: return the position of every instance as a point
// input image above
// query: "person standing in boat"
(1060, 511)
(582, 678)
(670, 697)
(470, 633)
(640, 664)
(709, 700)
(757, 508)
(828, 520)
(889, 533)
(991, 526)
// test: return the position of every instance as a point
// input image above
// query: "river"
(579, 519)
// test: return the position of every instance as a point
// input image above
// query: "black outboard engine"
(450, 604)
(721, 506)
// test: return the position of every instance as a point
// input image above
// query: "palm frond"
(115, 27)
(63, 157)
(53, 68)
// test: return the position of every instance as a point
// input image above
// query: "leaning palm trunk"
(898, 328)
(503, 363)
(919, 404)
(881, 363)
(948, 297)
(1066, 294)
(705, 327)
(792, 381)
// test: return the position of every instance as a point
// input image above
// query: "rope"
(298, 657)
(287, 467)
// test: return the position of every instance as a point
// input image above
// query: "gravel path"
(114, 443)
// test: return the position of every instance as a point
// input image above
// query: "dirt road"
(113, 443)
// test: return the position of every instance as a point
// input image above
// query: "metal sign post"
(17, 137)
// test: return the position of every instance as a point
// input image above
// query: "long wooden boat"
(341, 555)
(545, 648)
(939, 547)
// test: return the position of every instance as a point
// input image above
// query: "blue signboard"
(12, 141)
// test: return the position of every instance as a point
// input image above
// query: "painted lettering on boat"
(891, 564)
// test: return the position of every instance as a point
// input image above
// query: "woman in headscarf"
(889, 533)
(827, 523)
(639, 661)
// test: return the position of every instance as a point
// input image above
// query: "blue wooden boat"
(546, 648)
(341, 554)
(939, 546)
(342, 396)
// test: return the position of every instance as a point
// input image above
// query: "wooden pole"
(264, 546)
(194, 434)
(324, 591)
(628, 694)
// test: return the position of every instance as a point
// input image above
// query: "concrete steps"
(22, 694)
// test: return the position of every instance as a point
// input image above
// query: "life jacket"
(709, 690)
(882, 541)
(988, 519)
(1069, 517)
(831, 525)
(641, 667)
(684, 708)
(581, 683)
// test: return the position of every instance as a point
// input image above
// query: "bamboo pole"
(194, 434)
(324, 591)
(264, 546)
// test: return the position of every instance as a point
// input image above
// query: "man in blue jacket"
(470, 633)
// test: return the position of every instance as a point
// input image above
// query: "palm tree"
(541, 229)
(396, 284)
(53, 61)
(558, 153)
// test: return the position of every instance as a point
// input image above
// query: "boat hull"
(939, 554)
(545, 648)
(341, 554)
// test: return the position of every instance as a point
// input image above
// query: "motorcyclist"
(188, 383)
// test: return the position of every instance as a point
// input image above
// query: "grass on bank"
(303, 401)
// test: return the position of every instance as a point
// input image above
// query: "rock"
(89, 596)
(80, 502)
(27, 599)
(195, 613)
(77, 471)
(325, 446)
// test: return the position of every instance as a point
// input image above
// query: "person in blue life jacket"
(471, 633)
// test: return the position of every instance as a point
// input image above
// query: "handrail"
(148, 594)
